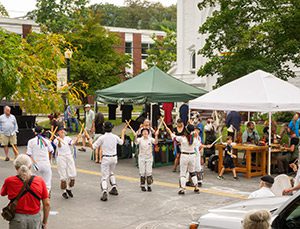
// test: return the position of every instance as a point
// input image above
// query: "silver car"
(285, 213)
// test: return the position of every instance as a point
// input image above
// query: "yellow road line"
(162, 184)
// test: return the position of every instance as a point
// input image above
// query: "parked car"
(285, 213)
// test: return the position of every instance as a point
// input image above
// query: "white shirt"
(39, 148)
(260, 193)
(8, 125)
(185, 145)
(145, 146)
(198, 145)
(109, 142)
(89, 118)
(65, 149)
(297, 178)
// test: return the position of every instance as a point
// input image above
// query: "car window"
(292, 219)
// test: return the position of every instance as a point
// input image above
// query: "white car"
(285, 213)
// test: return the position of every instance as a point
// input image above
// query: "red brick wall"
(26, 29)
(137, 53)
(121, 46)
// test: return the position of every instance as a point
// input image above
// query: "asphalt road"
(163, 208)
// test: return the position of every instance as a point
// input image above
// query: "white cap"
(87, 105)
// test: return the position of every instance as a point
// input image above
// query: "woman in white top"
(188, 144)
(65, 162)
(198, 149)
(39, 150)
(145, 159)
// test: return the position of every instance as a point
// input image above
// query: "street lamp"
(68, 56)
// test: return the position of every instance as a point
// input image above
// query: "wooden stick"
(86, 133)
(216, 140)
(53, 133)
(160, 124)
(15, 149)
(166, 126)
(58, 138)
(128, 124)
(81, 130)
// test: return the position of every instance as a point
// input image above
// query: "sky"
(17, 8)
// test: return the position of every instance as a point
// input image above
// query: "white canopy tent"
(258, 91)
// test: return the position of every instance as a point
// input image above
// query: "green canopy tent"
(151, 86)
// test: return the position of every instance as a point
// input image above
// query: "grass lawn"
(45, 124)
(259, 128)
(136, 108)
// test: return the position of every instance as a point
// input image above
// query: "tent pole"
(269, 145)
(189, 117)
(248, 116)
(151, 114)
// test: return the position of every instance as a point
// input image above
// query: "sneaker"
(65, 195)
(197, 190)
(174, 170)
(104, 196)
(7, 159)
(220, 178)
(181, 192)
(70, 194)
(114, 191)
(149, 189)
(82, 149)
(143, 189)
(235, 178)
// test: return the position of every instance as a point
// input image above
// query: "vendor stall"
(258, 91)
(151, 86)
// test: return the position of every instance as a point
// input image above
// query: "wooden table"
(249, 170)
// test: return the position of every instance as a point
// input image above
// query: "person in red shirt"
(168, 107)
(29, 206)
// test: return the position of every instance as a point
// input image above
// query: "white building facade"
(190, 41)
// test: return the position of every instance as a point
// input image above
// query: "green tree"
(262, 34)
(137, 14)
(3, 11)
(28, 69)
(163, 52)
(96, 60)
(10, 50)
(58, 16)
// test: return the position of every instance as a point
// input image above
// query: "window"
(193, 61)
(128, 48)
(292, 219)
(145, 47)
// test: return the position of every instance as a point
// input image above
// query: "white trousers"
(198, 166)
(45, 172)
(145, 165)
(108, 166)
(66, 167)
(187, 164)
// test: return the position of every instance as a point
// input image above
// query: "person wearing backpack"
(25, 193)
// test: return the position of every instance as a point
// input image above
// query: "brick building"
(135, 42)
(19, 26)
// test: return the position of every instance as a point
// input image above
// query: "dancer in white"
(187, 159)
(198, 149)
(39, 150)
(108, 158)
(145, 159)
(65, 162)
